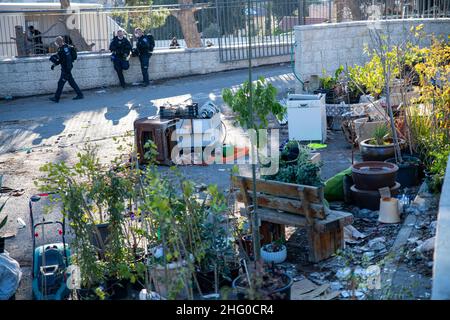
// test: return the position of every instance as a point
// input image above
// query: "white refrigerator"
(307, 117)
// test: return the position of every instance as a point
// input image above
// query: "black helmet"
(54, 58)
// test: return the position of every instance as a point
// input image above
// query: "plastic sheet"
(10, 276)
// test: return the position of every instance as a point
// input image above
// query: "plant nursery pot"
(118, 289)
(389, 211)
(206, 279)
(87, 294)
(275, 257)
(408, 172)
(370, 152)
(282, 293)
(373, 175)
(163, 284)
(369, 199)
(2, 245)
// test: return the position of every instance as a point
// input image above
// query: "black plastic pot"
(329, 95)
(347, 184)
(283, 293)
(370, 152)
(118, 289)
(2, 245)
(373, 175)
(408, 171)
(87, 294)
(206, 279)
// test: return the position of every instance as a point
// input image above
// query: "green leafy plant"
(299, 170)
(380, 135)
(90, 193)
(264, 103)
(429, 123)
(329, 82)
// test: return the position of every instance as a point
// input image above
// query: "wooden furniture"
(160, 132)
(297, 205)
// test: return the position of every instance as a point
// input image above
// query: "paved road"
(33, 122)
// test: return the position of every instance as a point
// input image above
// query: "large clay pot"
(365, 199)
(370, 152)
(373, 175)
(365, 129)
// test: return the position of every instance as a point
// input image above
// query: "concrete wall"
(329, 45)
(31, 76)
(441, 266)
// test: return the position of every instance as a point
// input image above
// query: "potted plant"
(409, 170)
(94, 199)
(330, 86)
(299, 170)
(380, 147)
(263, 283)
(275, 252)
(253, 103)
(373, 175)
(218, 265)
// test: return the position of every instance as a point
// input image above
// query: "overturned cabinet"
(160, 132)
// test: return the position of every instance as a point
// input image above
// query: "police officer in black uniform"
(144, 48)
(64, 57)
(120, 48)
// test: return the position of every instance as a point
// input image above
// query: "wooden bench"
(297, 205)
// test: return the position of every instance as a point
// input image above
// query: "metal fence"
(223, 23)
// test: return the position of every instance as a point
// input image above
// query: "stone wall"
(21, 77)
(441, 265)
(327, 46)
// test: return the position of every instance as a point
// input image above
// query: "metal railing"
(222, 23)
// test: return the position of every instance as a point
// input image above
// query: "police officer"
(120, 48)
(65, 57)
(144, 48)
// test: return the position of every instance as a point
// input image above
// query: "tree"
(144, 18)
(73, 33)
(185, 15)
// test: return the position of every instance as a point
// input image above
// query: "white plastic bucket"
(389, 210)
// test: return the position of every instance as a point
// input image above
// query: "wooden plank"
(330, 223)
(315, 292)
(306, 206)
(245, 198)
(283, 189)
(326, 249)
(328, 296)
(301, 287)
(284, 204)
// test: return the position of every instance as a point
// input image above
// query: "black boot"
(54, 99)
(79, 97)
